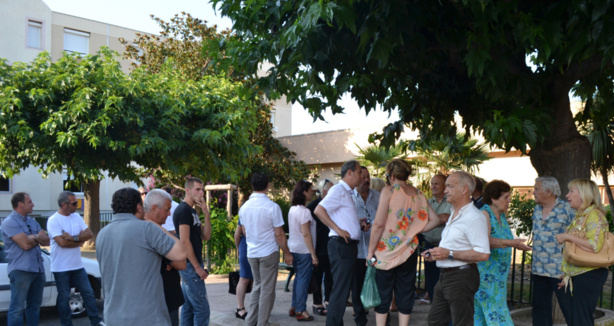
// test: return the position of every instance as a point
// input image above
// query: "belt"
(340, 239)
(458, 268)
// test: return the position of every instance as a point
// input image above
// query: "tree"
(180, 46)
(432, 60)
(83, 114)
(375, 158)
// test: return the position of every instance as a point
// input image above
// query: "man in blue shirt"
(23, 237)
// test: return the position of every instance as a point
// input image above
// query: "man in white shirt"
(263, 223)
(68, 232)
(169, 225)
(464, 241)
(338, 211)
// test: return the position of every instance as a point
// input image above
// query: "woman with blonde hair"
(583, 284)
(403, 212)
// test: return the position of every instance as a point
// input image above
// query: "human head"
(479, 186)
(399, 169)
(584, 193)
(351, 173)
(303, 192)
(67, 201)
(459, 187)
(324, 186)
(365, 183)
(260, 181)
(127, 200)
(377, 184)
(494, 189)
(157, 206)
(22, 203)
(546, 189)
(438, 185)
(193, 190)
(143, 193)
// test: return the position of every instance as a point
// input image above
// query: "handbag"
(233, 281)
(575, 255)
(370, 294)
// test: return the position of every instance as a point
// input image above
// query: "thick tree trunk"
(564, 154)
(91, 211)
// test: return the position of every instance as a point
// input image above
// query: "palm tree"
(375, 157)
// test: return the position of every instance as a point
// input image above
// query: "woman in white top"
(301, 243)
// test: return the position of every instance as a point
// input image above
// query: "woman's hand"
(561, 284)
(561, 238)
(371, 260)
(520, 244)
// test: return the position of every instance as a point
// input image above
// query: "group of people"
(151, 252)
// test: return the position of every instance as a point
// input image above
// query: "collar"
(460, 211)
(124, 216)
(24, 218)
(443, 199)
(345, 185)
(258, 194)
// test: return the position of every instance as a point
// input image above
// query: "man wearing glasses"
(68, 232)
(23, 237)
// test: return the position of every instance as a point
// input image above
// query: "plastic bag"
(370, 295)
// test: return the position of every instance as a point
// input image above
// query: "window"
(76, 41)
(35, 34)
(5, 184)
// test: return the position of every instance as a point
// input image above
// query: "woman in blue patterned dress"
(491, 299)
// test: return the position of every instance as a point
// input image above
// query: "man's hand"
(200, 202)
(43, 238)
(288, 258)
(202, 273)
(344, 234)
(66, 236)
(437, 253)
(364, 226)
(314, 260)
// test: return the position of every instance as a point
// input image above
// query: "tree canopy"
(432, 60)
(83, 114)
(180, 46)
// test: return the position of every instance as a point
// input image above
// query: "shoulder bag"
(575, 255)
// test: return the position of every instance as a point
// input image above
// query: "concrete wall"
(14, 16)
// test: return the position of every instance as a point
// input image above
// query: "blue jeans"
(195, 310)
(303, 268)
(26, 296)
(78, 279)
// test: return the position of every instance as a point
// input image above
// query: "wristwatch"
(75, 238)
(451, 255)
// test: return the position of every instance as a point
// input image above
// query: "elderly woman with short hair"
(551, 216)
(583, 284)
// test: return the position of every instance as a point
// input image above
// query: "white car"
(50, 293)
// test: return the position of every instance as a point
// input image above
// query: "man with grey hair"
(464, 241)
(338, 211)
(157, 207)
(551, 216)
(68, 232)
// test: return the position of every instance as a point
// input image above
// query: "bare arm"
(504, 243)
(280, 237)
(25, 242)
(184, 236)
(434, 219)
(380, 221)
(325, 218)
(309, 242)
(469, 256)
(205, 228)
(178, 252)
(43, 238)
(580, 242)
(238, 234)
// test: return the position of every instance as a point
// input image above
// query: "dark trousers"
(580, 305)
(342, 260)
(401, 279)
(431, 272)
(453, 297)
(322, 271)
(360, 314)
(543, 287)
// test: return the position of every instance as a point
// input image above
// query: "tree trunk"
(564, 154)
(91, 211)
(608, 190)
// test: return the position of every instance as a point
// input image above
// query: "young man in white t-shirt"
(68, 232)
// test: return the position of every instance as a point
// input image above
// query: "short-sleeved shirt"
(297, 216)
(595, 228)
(65, 259)
(547, 252)
(168, 224)
(260, 216)
(19, 259)
(130, 253)
(433, 236)
(184, 214)
(467, 231)
(341, 208)
(366, 210)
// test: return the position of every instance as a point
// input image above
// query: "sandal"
(319, 311)
(303, 316)
(241, 316)
(292, 312)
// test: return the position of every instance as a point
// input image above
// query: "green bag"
(370, 295)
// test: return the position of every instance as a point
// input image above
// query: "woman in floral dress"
(491, 299)
(403, 212)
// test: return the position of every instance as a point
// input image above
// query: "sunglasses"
(144, 193)
(74, 204)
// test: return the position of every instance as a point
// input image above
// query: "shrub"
(521, 213)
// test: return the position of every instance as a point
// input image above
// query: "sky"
(134, 14)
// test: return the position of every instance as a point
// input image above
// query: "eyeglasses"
(144, 193)
(325, 182)
(74, 204)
